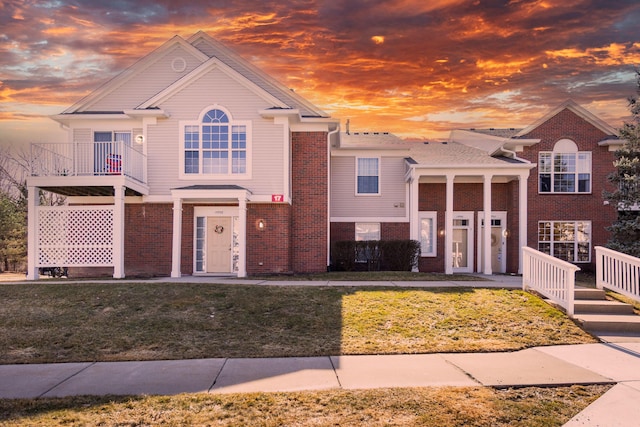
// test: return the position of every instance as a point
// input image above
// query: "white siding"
(393, 190)
(267, 146)
(147, 83)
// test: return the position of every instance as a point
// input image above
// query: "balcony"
(88, 168)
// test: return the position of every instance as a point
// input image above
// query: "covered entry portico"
(461, 187)
(220, 229)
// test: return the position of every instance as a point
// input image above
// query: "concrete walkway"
(603, 363)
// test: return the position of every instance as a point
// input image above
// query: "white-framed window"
(215, 145)
(428, 224)
(366, 231)
(566, 240)
(367, 176)
(565, 169)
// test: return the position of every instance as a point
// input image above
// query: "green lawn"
(117, 320)
(47, 322)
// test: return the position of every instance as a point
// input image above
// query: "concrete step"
(619, 323)
(601, 307)
(589, 294)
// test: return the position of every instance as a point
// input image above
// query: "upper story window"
(367, 175)
(565, 169)
(215, 146)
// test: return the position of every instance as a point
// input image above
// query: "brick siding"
(309, 218)
(571, 207)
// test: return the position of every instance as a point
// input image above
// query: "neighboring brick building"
(194, 162)
(540, 187)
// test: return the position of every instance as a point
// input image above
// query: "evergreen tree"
(625, 231)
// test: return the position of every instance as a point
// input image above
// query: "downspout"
(331, 133)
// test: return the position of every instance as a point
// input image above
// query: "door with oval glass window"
(219, 243)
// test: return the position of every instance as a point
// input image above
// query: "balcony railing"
(87, 159)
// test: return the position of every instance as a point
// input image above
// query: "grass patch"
(390, 276)
(443, 406)
(49, 322)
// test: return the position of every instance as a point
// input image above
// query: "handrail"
(618, 272)
(87, 159)
(551, 277)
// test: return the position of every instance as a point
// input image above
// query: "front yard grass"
(69, 322)
(437, 406)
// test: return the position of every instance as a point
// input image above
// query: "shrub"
(374, 255)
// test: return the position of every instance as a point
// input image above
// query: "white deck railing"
(551, 277)
(87, 159)
(618, 272)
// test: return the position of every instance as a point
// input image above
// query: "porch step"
(589, 294)
(601, 307)
(607, 323)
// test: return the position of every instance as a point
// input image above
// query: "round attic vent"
(178, 65)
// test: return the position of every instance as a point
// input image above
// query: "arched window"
(565, 169)
(215, 146)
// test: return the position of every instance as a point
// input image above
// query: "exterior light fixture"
(261, 225)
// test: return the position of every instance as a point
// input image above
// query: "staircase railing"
(551, 277)
(618, 272)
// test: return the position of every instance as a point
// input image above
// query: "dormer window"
(215, 146)
(565, 169)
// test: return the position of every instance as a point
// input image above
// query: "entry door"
(498, 244)
(462, 243)
(219, 240)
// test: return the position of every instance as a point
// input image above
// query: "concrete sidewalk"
(541, 366)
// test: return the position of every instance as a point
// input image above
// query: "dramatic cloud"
(416, 68)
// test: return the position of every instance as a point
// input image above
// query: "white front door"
(498, 242)
(219, 241)
(462, 242)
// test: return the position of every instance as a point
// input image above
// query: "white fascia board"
(453, 169)
(369, 152)
(577, 109)
(209, 65)
(613, 144)
(490, 144)
(208, 195)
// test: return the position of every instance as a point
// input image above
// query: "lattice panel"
(75, 236)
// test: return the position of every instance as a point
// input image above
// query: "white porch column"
(486, 231)
(118, 232)
(176, 249)
(242, 237)
(413, 208)
(448, 227)
(32, 238)
(522, 215)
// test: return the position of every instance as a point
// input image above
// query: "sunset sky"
(417, 68)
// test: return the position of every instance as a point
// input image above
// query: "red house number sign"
(277, 198)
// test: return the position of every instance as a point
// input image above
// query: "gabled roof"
(207, 51)
(372, 141)
(136, 69)
(212, 48)
(578, 110)
(210, 64)
(452, 154)
(491, 144)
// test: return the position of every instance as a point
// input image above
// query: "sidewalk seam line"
(68, 378)
(335, 372)
(215, 380)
